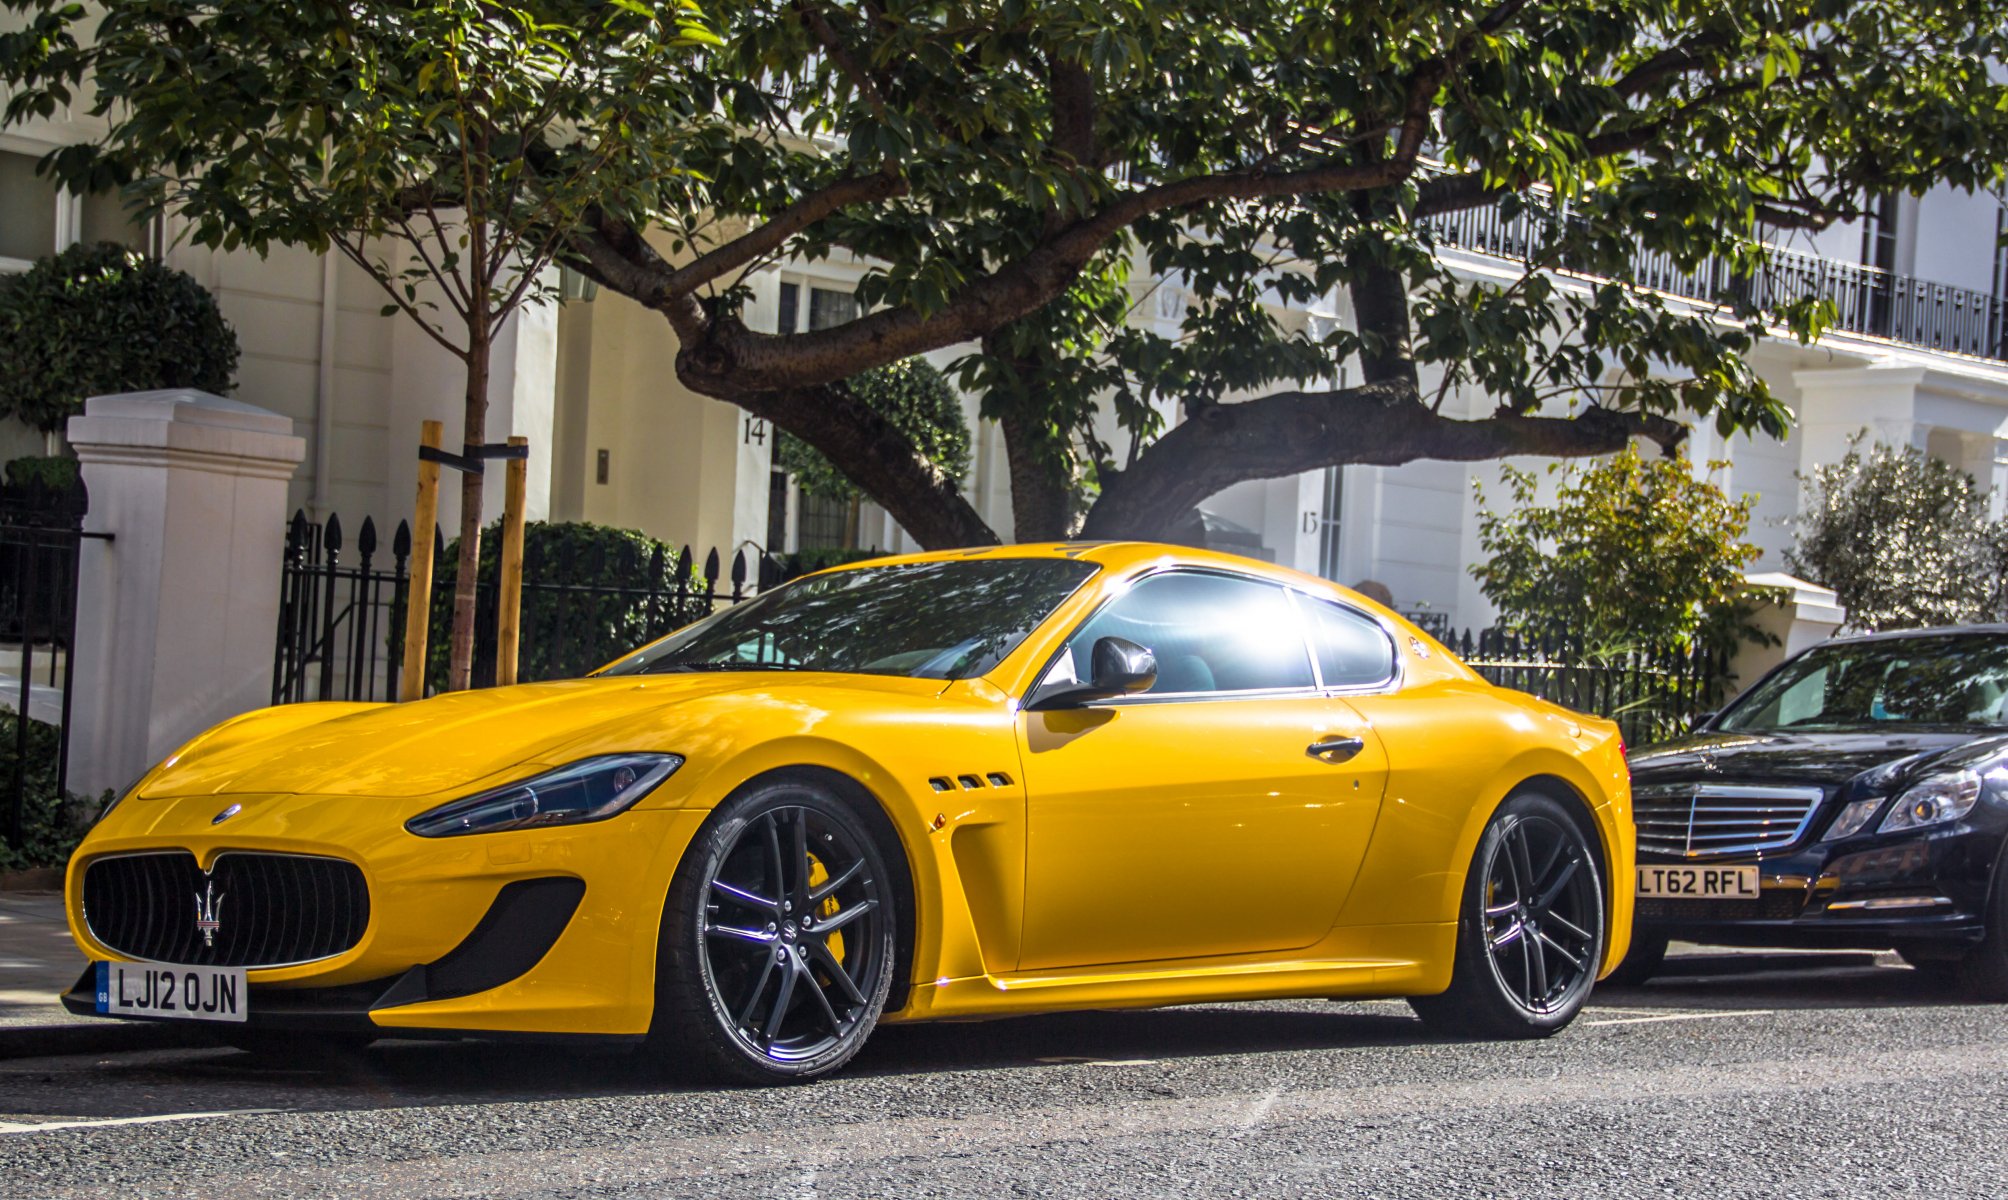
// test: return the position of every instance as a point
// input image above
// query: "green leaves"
(1627, 554)
(1903, 539)
(918, 401)
(98, 319)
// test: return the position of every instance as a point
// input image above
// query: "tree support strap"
(472, 459)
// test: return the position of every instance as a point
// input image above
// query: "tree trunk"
(1041, 492)
(467, 572)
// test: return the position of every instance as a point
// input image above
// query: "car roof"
(1118, 556)
(1891, 635)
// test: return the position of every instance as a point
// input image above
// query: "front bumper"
(545, 932)
(1917, 889)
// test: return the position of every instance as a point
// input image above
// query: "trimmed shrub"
(98, 319)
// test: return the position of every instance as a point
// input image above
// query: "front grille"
(1772, 904)
(250, 910)
(1716, 820)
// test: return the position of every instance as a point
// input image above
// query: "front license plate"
(1700, 883)
(171, 992)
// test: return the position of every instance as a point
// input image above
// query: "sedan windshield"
(928, 620)
(1952, 681)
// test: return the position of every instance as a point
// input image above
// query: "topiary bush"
(917, 399)
(591, 593)
(98, 319)
(1903, 539)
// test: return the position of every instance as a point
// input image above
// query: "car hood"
(463, 738)
(1819, 758)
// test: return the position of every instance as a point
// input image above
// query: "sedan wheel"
(778, 940)
(1531, 931)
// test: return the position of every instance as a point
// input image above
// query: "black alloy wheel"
(1530, 932)
(777, 952)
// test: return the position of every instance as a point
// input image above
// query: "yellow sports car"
(946, 785)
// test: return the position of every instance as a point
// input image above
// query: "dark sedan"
(1856, 797)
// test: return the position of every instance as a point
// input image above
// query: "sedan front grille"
(1717, 820)
(248, 910)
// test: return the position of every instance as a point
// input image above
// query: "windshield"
(1956, 681)
(929, 620)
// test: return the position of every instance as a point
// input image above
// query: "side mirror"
(1121, 667)
(1116, 667)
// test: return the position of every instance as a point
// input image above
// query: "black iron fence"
(1653, 693)
(586, 600)
(39, 549)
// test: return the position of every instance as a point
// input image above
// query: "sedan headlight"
(1933, 801)
(591, 789)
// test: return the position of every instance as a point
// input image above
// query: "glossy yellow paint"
(1141, 854)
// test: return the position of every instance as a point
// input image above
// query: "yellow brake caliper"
(818, 875)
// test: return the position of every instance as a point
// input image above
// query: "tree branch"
(1382, 424)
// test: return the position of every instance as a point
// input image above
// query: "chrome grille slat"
(1716, 820)
(275, 909)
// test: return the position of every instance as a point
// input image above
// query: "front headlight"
(1933, 801)
(591, 789)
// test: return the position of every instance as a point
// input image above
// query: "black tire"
(1527, 954)
(1982, 973)
(1641, 962)
(777, 950)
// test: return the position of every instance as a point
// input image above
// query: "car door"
(1195, 818)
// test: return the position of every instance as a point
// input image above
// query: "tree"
(917, 399)
(1013, 169)
(1904, 540)
(98, 319)
(1630, 553)
(444, 146)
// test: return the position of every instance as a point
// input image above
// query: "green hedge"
(51, 825)
(626, 583)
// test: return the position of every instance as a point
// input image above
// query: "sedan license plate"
(166, 991)
(1699, 883)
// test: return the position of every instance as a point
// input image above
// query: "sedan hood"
(1819, 758)
(459, 739)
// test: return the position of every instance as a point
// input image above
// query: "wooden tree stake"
(418, 608)
(509, 605)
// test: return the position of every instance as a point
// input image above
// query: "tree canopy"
(920, 403)
(1013, 170)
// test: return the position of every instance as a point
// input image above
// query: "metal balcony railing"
(1867, 300)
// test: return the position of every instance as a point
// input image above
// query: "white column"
(176, 615)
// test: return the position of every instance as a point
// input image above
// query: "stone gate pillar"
(177, 614)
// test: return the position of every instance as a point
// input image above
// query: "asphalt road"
(1833, 1078)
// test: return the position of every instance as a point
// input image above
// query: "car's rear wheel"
(1530, 930)
(777, 939)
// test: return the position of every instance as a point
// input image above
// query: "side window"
(1210, 633)
(1352, 650)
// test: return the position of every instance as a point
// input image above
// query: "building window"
(30, 204)
(37, 218)
(821, 523)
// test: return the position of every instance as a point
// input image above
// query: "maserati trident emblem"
(226, 814)
(208, 913)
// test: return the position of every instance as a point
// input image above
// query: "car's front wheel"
(1530, 930)
(777, 939)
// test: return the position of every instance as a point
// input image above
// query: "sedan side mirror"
(1116, 667)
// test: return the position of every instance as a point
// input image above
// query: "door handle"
(1335, 750)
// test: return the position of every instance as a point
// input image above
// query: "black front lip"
(523, 922)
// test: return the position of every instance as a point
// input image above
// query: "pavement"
(1734, 1075)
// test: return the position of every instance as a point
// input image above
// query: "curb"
(97, 1037)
